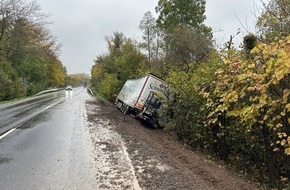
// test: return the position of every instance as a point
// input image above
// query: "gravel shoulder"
(158, 160)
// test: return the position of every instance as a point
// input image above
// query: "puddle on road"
(115, 170)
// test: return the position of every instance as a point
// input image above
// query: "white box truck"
(142, 97)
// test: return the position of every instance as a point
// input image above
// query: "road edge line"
(7, 133)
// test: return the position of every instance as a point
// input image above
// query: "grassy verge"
(100, 97)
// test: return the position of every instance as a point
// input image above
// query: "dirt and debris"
(158, 160)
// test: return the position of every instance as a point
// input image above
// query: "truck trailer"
(141, 97)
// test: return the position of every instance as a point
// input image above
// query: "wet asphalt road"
(50, 151)
(15, 113)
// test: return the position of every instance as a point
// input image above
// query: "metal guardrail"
(90, 91)
(47, 91)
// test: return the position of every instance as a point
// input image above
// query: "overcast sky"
(82, 25)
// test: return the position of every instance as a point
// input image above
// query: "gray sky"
(82, 25)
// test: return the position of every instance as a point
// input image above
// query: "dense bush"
(249, 102)
(10, 84)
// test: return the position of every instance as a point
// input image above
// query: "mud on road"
(156, 159)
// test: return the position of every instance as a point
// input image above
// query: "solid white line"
(49, 106)
(54, 103)
(7, 133)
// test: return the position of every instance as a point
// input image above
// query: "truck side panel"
(131, 91)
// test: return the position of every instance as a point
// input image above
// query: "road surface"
(15, 113)
(52, 148)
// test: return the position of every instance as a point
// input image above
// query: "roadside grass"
(100, 97)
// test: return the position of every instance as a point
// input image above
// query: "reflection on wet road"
(68, 94)
(14, 114)
(51, 150)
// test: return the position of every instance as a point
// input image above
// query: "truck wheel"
(126, 108)
(122, 108)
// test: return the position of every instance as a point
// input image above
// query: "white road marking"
(49, 106)
(7, 133)
(54, 103)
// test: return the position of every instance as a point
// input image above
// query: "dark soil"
(161, 162)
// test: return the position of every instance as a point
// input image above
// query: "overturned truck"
(141, 97)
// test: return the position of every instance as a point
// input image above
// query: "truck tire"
(122, 107)
(126, 108)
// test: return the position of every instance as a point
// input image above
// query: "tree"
(34, 72)
(110, 86)
(274, 22)
(28, 47)
(130, 63)
(174, 13)
(148, 27)
(77, 79)
(250, 41)
(10, 83)
(115, 42)
(56, 73)
(187, 46)
(111, 70)
(186, 38)
(12, 11)
(19, 39)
